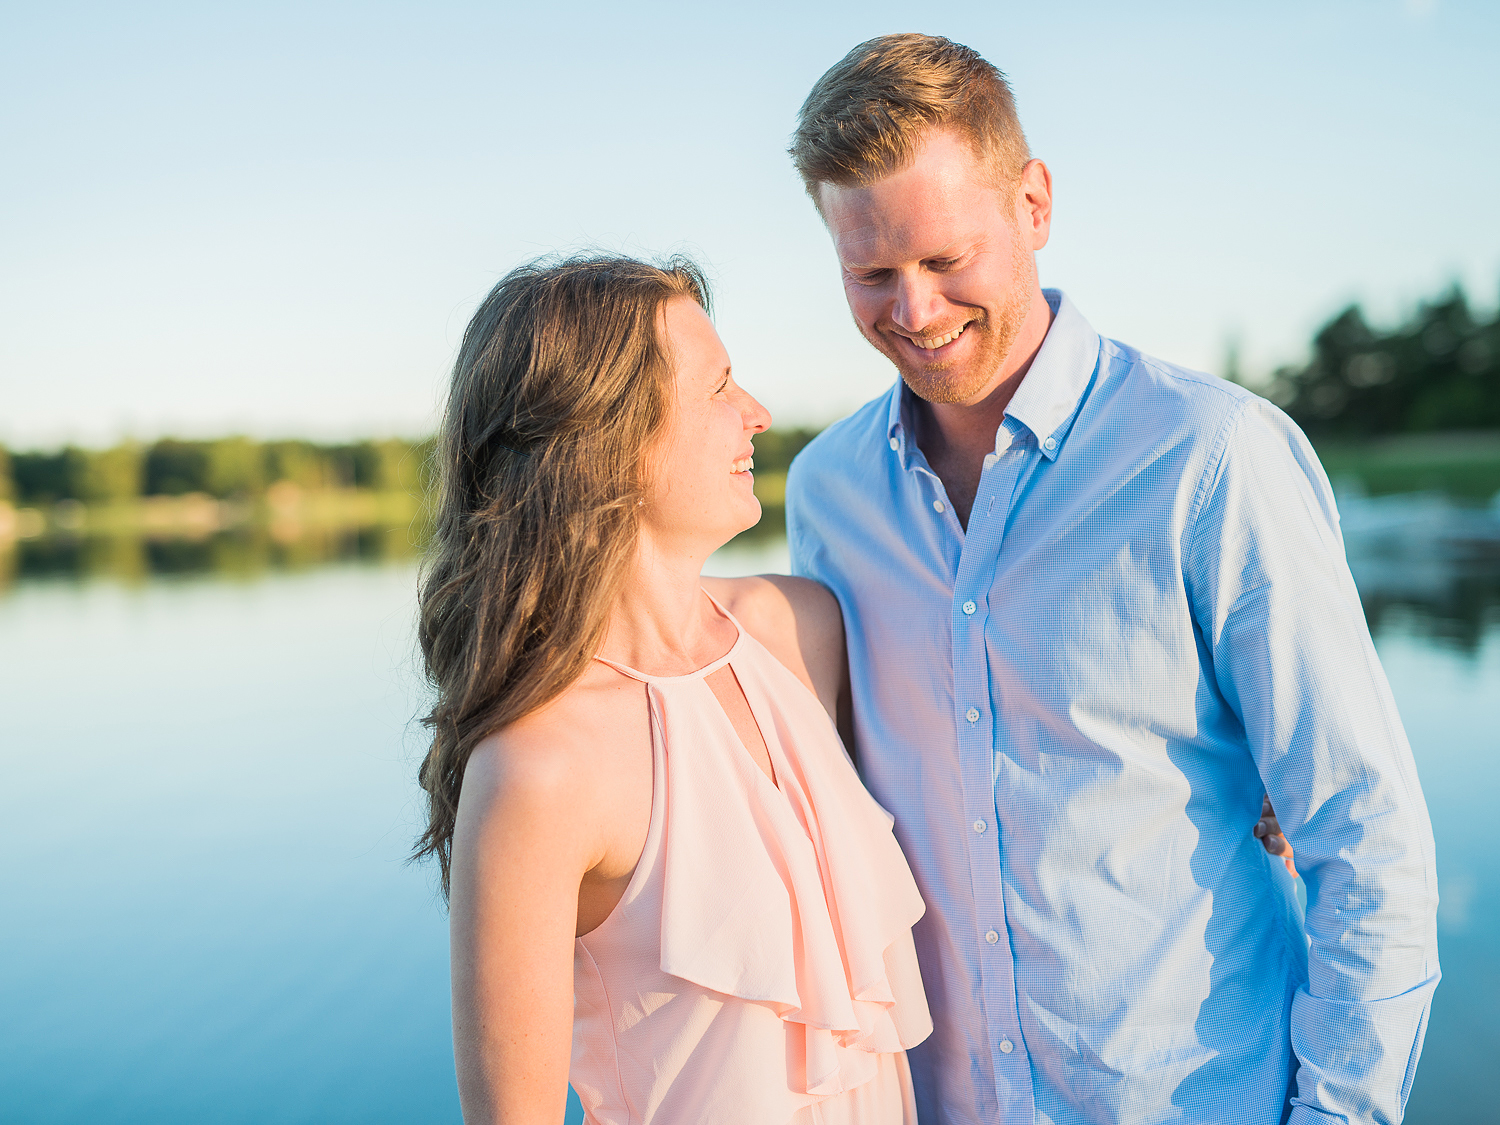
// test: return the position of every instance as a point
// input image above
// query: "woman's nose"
(757, 417)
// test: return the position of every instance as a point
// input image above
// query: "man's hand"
(1268, 830)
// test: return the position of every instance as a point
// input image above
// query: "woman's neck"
(662, 622)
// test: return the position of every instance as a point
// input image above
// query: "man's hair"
(867, 116)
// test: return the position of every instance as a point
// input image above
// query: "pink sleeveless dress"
(759, 968)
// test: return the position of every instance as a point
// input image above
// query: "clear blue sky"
(276, 218)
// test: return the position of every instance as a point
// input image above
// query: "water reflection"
(215, 924)
(237, 553)
(1425, 564)
(1422, 561)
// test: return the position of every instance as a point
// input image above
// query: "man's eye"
(875, 277)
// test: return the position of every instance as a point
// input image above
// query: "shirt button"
(895, 444)
(992, 937)
(1006, 1046)
(980, 826)
(970, 607)
(1050, 444)
(937, 505)
(972, 714)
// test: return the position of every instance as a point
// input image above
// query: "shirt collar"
(1048, 396)
(1047, 399)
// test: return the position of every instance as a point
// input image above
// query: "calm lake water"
(209, 793)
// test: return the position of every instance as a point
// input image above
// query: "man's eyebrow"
(942, 253)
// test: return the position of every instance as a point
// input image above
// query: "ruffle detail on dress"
(798, 899)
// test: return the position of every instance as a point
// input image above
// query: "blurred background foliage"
(237, 506)
(1406, 408)
(1438, 370)
(232, 468)
(232, 506)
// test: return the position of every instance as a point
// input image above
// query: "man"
(1094, 604)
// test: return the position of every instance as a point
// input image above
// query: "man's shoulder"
(1219, 422)
(1188, 408)
(1150, 374)
(847, 444)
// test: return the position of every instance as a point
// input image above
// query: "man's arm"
(803, 544)
(1291, 653)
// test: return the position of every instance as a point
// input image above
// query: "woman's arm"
(520, 853)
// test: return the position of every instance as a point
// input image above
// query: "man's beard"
(947, 382)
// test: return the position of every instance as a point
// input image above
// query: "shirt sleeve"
(1291, 654)
(798, 528)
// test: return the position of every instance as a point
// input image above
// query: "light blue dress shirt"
(1072, 710)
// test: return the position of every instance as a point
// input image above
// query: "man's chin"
(944, 386)
(945, 381)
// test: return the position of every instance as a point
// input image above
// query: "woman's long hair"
(561, 386)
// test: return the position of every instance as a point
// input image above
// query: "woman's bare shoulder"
(563, 755)
(797, 619)
(775, 603)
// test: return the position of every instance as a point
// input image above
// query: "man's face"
(938, 268)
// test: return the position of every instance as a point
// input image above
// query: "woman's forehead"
(696, 348)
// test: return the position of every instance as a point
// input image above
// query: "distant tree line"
(243, 468)
(1439, 370)
(228, 468)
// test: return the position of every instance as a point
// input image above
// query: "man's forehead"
(939, 216)
(865, 240)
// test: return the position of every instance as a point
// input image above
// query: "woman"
(653, 842)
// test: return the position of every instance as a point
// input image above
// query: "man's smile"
(935, 345)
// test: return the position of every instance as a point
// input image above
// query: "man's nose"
(918, 302)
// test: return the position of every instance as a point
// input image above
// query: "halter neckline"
(707, 670)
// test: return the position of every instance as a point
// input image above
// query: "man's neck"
(955, 437)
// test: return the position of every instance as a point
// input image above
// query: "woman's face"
(701, 489)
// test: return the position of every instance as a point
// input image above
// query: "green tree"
(236, 467)
(45, 478)
(401, 465)
(1232, 370)
(1440, 370)
(300, 462)
(114, 474)
(176, 467)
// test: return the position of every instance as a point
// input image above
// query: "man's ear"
(1034, 203)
